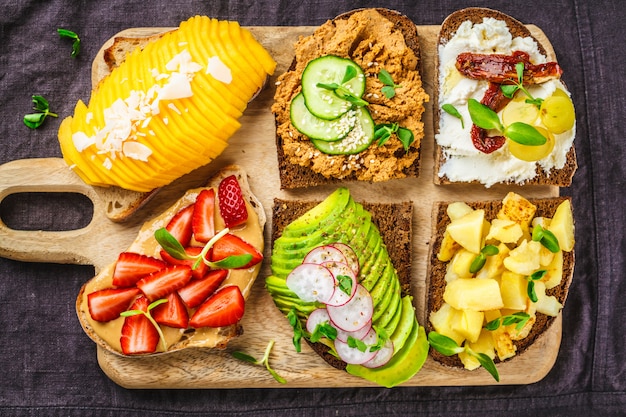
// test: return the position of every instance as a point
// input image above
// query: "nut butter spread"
(370, 40)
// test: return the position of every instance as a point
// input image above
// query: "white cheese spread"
(462, 161)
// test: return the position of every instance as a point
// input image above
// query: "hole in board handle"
(47, 211)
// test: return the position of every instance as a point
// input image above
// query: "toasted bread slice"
(399, 163)
(560, 177)
(436, 282)
(394, 221)
(145, 243)
(115, 54)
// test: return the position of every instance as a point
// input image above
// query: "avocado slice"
(404, 364)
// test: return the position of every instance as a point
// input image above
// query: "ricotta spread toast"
(183, 282)
(489, 57)
(498, 276)
(341, 273)
(364, 68)
(168, 108)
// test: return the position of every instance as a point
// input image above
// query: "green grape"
(519, 111)
(557, 112)
(533, 153)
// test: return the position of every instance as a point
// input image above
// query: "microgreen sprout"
(174, 248)
(345, 284)
(323, 330)
(383, 132)
(389, 88)
(546, 238)
(448, 347)
(344, 92)
(530, 289)
(522, 133)
(265, 361)
(34, 120)
(480, 259)
(381, 338)
(64, 33)
(509, 90)
(518, 318)
(294, 321)
(452, 111)
(129, 313)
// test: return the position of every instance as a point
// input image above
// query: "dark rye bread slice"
(394, 221)
(559, 177)
(296, 176)
(436, 283)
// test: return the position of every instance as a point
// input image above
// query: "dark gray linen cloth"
(48, 365)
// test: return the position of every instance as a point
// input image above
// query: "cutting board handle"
(71, 246)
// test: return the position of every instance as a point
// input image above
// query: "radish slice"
(354, 314)
(339, 270)
(311, 282)
(351, 259)
(382, 356)
(358, 334)
(317, 317)
(353, 355)
(323, 254)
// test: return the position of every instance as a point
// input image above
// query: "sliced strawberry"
(232, 205)
(197, 272)
(230, 245)
(224, 308)
(173, 313)
(180, 225)
(107, 304)
(138, 334)
(198, 290)
(203, 223)
(131, 267)
(165, 281)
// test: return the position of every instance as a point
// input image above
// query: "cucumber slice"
(330, 69)
(357, 140)
(316, 128)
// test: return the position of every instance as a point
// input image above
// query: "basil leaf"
(443, 344)
(170, 244)
(482, 116)
(452, 111)
(488, 364)
(524, 134)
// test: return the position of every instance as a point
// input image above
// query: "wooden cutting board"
(253, 148)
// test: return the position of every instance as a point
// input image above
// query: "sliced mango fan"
(167, 109)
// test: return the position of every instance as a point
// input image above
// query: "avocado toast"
(300, 228)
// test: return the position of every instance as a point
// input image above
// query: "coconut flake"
(219, 70)
(82, 141)
(136, 150)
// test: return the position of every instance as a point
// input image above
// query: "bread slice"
(394, 221)
(559, 177)
(436, 282)
(115, 54)
(217, 339)
(293, 175)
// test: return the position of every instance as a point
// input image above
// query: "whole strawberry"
(232, 205)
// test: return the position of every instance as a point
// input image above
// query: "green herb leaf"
(64, 33)
(524, 134)
(323, 330)
(350, 74)
(129, 313)
(452, 111)
(265, 361)
(345, 283)
(292, 316)
(383, 132)
(482, 116)
(488, 364)
(406, 137)
(232, 262)
(343, 93)
(443, 344)
(490, 250)
(530, 291)
(537, 275)
(353, 342)
(546, 238)
(41, 105)
(478, 263)
(509, 90)
(170, 244)
(389, 89)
